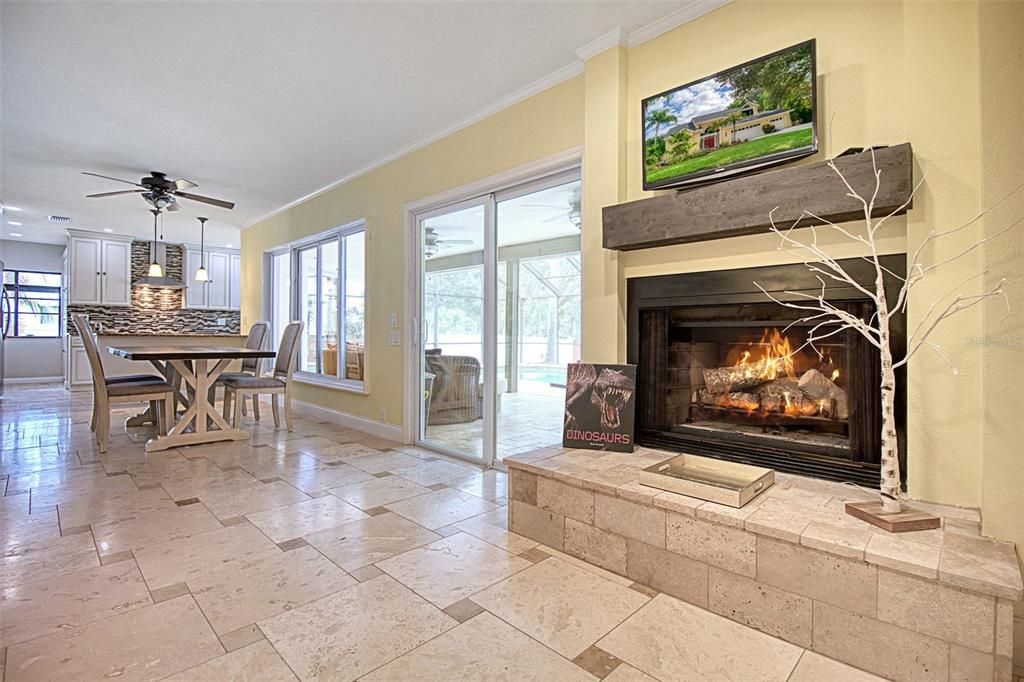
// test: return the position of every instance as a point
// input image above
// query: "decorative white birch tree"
(828, 320)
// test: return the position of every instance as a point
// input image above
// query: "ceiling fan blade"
(182, 183)
(205, 200)
(107, 177)
(114, 194)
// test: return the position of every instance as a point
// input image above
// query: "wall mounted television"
(746, 117)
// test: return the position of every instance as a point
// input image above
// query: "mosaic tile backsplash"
(157, 311)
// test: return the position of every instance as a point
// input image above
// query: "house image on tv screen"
(727, 126)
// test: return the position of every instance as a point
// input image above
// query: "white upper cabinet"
(219, 286)
(235, 282)
(99, 270)
(224, 290)
(85, 271)
(195, 293)
(117, 272)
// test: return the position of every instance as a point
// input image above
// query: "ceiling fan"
(160, 191)
(432, 242)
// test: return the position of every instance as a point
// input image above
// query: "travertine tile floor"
(319, 554)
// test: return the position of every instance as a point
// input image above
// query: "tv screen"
(749, 116)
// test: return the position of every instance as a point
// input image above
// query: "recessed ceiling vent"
(62, 219)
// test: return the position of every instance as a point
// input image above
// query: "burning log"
(739, 377)
(783, 395)
(735, 399)
(817, 386)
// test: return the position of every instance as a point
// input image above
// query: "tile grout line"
(797, 664)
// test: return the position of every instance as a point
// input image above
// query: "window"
(33, 299)
(327, 292)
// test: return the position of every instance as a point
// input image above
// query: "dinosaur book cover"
(600, 404)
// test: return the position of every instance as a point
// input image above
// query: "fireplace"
(723, 371)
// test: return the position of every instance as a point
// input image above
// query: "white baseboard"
(33, 380)
(351, 421)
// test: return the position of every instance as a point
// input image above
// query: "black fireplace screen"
(732, 376)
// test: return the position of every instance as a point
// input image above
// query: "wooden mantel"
(741, 206)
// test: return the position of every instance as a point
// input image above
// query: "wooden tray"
(706, 478)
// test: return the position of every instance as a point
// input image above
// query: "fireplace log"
(735, 378)
(817, 386)
(736, 399)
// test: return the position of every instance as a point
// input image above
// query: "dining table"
(199, 367)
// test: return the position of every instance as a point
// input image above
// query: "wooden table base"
(200, 415)
(170, 376)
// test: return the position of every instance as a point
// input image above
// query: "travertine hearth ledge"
(926, 605)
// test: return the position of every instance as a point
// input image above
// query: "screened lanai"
(537, 318)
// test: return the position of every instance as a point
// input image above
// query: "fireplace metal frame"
(736, 287)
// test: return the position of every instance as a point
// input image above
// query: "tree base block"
(893, 522)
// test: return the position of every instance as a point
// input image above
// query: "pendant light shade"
(201, 274)
(155, 269)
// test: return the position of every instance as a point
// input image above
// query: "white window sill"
(347, 385)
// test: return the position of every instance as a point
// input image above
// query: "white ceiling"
(258, 103)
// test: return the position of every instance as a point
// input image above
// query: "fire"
(775, 357)
(765, 377)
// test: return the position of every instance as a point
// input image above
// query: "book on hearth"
(600, 407)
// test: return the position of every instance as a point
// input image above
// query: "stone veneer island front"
(925, 605)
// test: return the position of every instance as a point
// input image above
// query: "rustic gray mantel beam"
(741, 206)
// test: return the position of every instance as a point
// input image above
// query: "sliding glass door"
(452, 329)
(539, 313)
(499, 316)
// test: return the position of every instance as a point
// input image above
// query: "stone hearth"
(926, 605)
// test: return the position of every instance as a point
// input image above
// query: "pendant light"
(201, 274)
(155, 269)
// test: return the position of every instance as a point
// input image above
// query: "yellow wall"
(889, 72)
(541, 126)
(886, 71)
(1001, 36)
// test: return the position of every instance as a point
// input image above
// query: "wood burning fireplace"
(724, 372)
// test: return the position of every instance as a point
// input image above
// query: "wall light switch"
(394, 320)
(394, 339)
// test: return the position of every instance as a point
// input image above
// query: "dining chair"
(279, 382)
(250, 366)
(127, 378)
(149, 388)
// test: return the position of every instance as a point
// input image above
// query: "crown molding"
(688, 12)
(598, 45)
(536, 87)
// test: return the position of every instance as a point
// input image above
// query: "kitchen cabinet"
(78, 374)
(195, 292)
(99, 270)
(218, 286)
(235, 282)
(224, 290)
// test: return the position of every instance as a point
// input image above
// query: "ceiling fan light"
(155, 270)
(202, 275)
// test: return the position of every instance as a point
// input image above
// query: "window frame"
(15, 296)
(317, 241)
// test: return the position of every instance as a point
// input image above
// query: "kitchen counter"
(183, 335)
